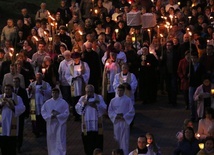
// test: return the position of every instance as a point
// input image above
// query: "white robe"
(8, 114)
(135, 152)
(78, 83)
(40, 98)
(91, 115)
(133, 83)
(121, 127)
(56, 128)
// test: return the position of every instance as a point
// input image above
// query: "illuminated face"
(149, 139)
(141, 142)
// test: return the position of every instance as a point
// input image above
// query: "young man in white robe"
(77, 75)
(121, 112)
(11, 106)
(55, 112)
(91, 107)
(39, 92)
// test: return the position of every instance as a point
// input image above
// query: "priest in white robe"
(121, 112)
(128, 79)
(77, 75)
(39, 91)
(91, 107)
(11, 106)
(55, 112)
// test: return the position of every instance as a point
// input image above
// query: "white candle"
(43, 70)
(116, 30)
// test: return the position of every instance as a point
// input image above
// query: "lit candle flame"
(43, 70)
(116, 30)
(35, 38)
(80, 32)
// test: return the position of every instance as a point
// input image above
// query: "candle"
(171, 18)
(212, 91)
(201, 145)
(80, 32)
(179, 3)
(10, 54)
(95, 11)
(35, 38)
(150, 38)
(43, 70)
(116, 30)
(50, 39)
(189, 17)
(130, 2)
(161, 41)
(198, 136)
(158, 30)
(133, 39)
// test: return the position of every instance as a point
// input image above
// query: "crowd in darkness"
(174, 56)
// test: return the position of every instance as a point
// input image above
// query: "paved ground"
(159, 118)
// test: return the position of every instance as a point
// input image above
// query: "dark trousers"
(39, 125)
(21, 130)
(8, 145)
(171, 85)
(74, 102)
(92, 141)
(66, 93)
(109, 97)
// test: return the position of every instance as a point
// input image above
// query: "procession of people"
(95, 59)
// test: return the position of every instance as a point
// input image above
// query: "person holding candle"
(111, 68)
(205, 124)
(189, 144)
(128, 79)
(208, 147)
(203, 96)
(77, 75)
(38, 57)
(147, 76)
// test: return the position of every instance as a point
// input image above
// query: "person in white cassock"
(11, 106)
(121, 112)
(39, 92)
(91, 107)
(128, 80)
(77, 75)
(55, 112)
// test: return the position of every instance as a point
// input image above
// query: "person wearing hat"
(182, 74)
(77, 76)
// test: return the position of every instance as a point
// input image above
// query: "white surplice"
(91, 115)
(8, 114)
(122, 105)
(78, 83)
(56, 127)
(133, 83)
(39, 97)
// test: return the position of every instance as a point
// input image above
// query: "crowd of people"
(85, 59)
